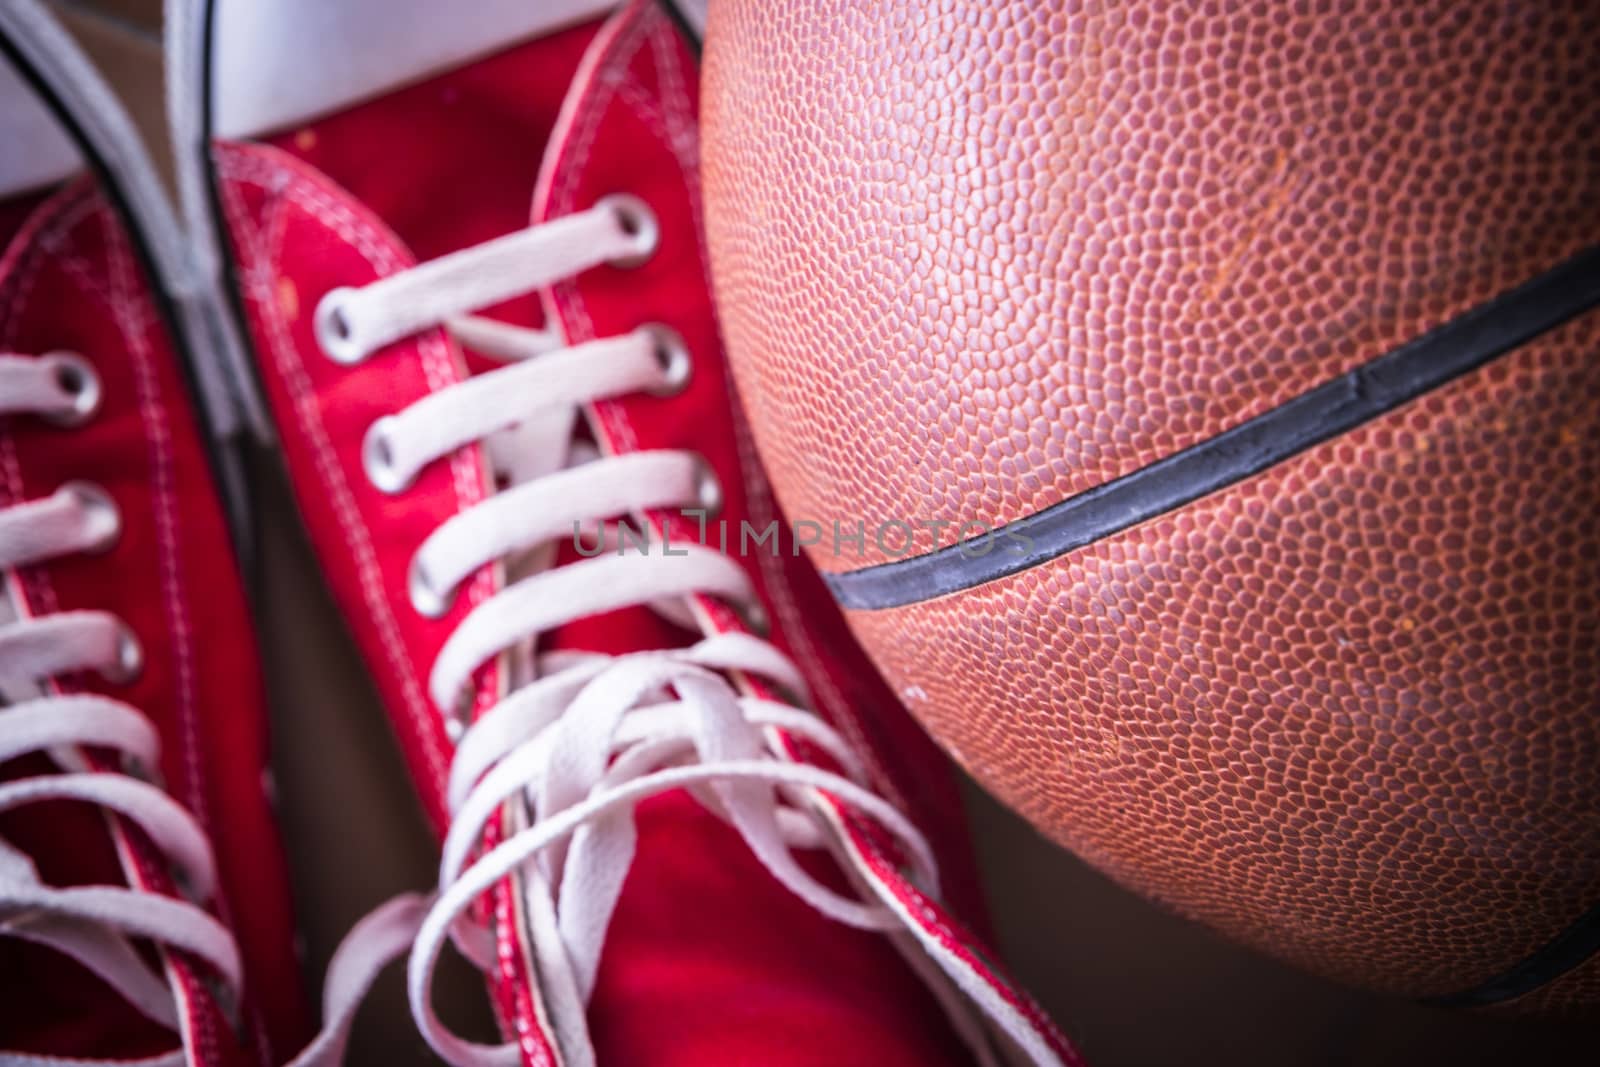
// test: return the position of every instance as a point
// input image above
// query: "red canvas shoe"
(465, 244)
(143, 907)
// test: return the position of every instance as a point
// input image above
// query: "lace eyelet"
(755, 617)
(707, 489)
(130, 659)
(377, 457)
(672, 355)
(80, 383)
(636, 222)
(335, 334)
(184, 883)
(425, 599)
(459, 716)
(104, 519)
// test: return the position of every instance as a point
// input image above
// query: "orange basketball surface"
(981, 261)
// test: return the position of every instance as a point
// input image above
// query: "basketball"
(1196, 411)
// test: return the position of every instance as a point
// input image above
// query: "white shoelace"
(92, 924)
(581, 738)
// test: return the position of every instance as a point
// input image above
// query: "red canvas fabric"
(632, 127)
(708, 959)
(70, 280)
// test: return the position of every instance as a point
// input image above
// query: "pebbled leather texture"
(975, 259)
(1346, 711)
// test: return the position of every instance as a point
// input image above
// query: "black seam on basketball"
(1421, 365)
(1571, 948)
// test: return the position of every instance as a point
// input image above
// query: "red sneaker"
(144, 912)
(652, 852)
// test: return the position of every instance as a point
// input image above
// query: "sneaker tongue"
(527, 451)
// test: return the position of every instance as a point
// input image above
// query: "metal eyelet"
(377, 457)
(184, 883)
(335, 334)
(707, 489)
(755, 618)
(672, 355)
(425, 599)
(459, 716)
(134, 767)
(79, 382)
(636, 222)
(104, 519)
(130, 658)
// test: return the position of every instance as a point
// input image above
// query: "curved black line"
(679, 19)
(1459, 346)
(1570, 948)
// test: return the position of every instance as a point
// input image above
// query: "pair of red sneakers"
(449, 259)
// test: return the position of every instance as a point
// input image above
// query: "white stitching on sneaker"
(91, 924)
(583, 737)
